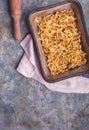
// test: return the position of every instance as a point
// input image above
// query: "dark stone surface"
(26, 104)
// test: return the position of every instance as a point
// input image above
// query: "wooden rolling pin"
(15, 10)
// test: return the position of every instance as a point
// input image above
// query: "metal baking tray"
(43, 11)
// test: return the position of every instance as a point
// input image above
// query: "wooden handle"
(17, 28)
(15, 10)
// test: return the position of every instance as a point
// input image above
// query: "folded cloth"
(29, 67)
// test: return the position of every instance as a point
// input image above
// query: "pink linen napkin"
(29, 67)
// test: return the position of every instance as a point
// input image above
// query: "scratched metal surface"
(25, 104)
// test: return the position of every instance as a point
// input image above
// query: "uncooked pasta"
(61, 41)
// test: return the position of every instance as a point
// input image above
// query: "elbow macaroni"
(61, 41)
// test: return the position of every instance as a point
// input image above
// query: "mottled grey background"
(26, 104)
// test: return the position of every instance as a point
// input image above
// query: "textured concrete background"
(25, 104)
